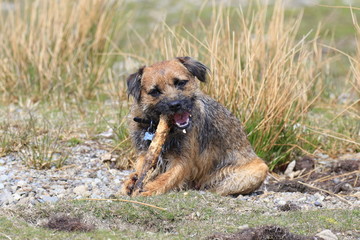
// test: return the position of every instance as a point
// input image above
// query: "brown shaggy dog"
(206, 148)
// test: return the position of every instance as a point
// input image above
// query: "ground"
(315, 194)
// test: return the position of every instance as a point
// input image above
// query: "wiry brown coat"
(213, 152)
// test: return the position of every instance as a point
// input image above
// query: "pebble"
(327, 235)
(84, 175)
(49, 199)
(81, 190)
(6, 197)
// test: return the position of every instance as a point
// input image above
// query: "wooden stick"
(121, 200)
(330, 193)
(153, 153)
(326, 178)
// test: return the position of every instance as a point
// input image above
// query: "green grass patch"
(188, 215)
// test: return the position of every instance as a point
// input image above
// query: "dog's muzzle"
(181, 118)
(180, 113)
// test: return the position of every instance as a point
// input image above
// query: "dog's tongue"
(181, 118)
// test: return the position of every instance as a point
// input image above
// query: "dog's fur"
(212, 153)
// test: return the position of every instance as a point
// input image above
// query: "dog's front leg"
(172, 178)
(129, 184)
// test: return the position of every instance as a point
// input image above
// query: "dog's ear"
(134, 84)
(196, 68)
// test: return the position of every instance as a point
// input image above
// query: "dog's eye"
(180, 83)
(154, 92)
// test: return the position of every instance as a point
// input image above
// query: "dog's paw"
(129, 184)
(149, 189)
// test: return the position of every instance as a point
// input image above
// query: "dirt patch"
(67, 223)
(346, 166)
(288, 186)
(342, 176)
(260, 233)
(306, 163)
(289, 207)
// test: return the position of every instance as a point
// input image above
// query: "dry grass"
(52, 50)
(259, 70)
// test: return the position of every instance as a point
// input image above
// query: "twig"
(326, 178)
(333, 136)
(121, 200)
(5, 236)
(323, 190)
(276, 178)
(307, 174)
(356, 179)
(65, 167)
(330, 6)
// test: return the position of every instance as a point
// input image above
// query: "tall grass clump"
(355, 61)
(260, 69)
(53, 50)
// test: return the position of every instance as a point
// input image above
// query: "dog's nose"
(175, 105)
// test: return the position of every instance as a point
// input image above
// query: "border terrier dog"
(206, 148)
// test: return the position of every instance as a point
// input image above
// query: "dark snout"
(170, 107)
(179, 110)
(176, 105)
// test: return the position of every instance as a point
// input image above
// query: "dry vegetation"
(54, 50)
(75, 55)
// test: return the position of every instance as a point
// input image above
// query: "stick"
(153, 153)
(330, 193)
(121, 200)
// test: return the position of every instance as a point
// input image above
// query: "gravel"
(85, 175)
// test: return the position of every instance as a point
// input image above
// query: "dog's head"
(168, 88)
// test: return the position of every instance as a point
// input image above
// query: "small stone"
(6, 197)
(318, 204)
(24, 201)
(245, 226)
(49, 199)
(319, 197)
(336, 180)
(17, 196)
(106, 157)
(109, 133)
(4, 178)
(92, 175)
(21, 183)
(327, 235)
(290, 168)
(82, 190)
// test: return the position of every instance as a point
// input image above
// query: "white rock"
(6, 197)
(327, 235)
(290, 168)
(106, 157)
(319, 197)
(82, 190)
(109, 133)
(17, 196)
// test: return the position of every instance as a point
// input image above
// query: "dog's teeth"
(184, 131)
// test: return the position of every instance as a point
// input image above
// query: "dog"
(206, 148)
